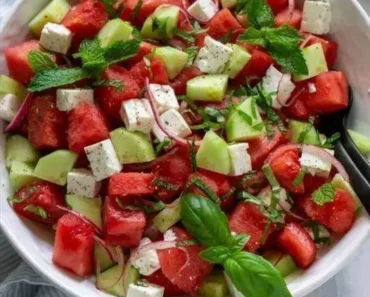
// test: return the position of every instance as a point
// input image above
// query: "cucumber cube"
(89, 207)
(283, 262)
(214, 285)
(115, 30)
(362, 141)
(174, 59)
(228, 3)
(297, 127)
(21, 174)
(207, 87)
(112, 279)
(102, 257)
(11, 86)
(239, 58)
(168, 217)
(18, 148)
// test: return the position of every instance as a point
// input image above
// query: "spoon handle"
(360, 184)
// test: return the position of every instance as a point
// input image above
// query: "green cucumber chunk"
(362, 142)
(161, 23)
(168, 217)
(315, 60)
(115, 30)
(112, 279)
(131, 277)
(11, 86)
(213, 154)
(54, 12)
(282, 262)
(173, 59)
(207, 87)
(56, 166)
(239, 58)
(229, 3)
(245, 122)
(214, 285)
(102, 257)
(21, 174)
(89, 207)
(132, 147)
(18, 148)
(297, 127)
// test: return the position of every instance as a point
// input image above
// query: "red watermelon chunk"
(179, 83)
(248, 219)
(183, 266)
(85, 20)
(109, 98)
(44, 195)
(296, 241)
(122, 227)
(298, 109)
(277, 5)
(74, 245)
(338, 215)
(125, 184)
(170, 290)
(159, 72)
(223, 23)
(17, 61)
(284, 18)
(87, 126)
(47, 125)
(156, 73)
(144, 50)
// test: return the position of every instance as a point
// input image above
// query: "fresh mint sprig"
(41, 61)
(324, 194)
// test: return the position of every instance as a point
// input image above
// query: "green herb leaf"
(187, 36)
(137, 8)
(238, 242)
(53, 78)
(254, 36)
(121, 50)
(114, 83)
(187, 243)
(226, 38)
(299, 178)
(192, 52)
(254, 276)
(193, 158)
(216, 255)
(162, 145)
(260, 14)
(41, 61)
(150, 207)
(292, 61)
(324, 194)
(165, 185)
(92, 55)
(246, 117)
(110, 7)
(309, 127)
(37, 210)
(329, 143)
(205, 221)
(204, 188)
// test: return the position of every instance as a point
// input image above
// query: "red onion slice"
(22, 112)
(305, 41)
(173, 280)
(290, 12)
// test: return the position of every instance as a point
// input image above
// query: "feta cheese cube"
(9, 106)
(314, 164)
(144, 289)
(316, 17)
(164, 97)
(147, 262)
(174, 122)
(273, 82)
(56, 38)
(203, 10)
(311, 88)
(213, 57)
(103, 159)
(240, 159)
(68, 99)
(82, 182)
(169, 235)
(137, 115)
(234, 292)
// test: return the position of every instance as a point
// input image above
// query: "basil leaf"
(205, 220)
(254, 276)
(239, 241)
(41, 61)
(215, 255)
(260, 14)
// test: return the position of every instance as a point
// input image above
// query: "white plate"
(351, 28)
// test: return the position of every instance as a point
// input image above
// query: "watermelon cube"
(223, 23)
(125, 184)
(285, 18)
(170, 290)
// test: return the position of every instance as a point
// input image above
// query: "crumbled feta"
(314, 164)
(316, 17)
(213, 57)
(144, 289)
(56, 38)
(240, 159)
(169, 235)
(311, 88)
(82, 182)
(103, 159)
(174, 122)
(203, 10)
(273, 82)
(234, 292)
(9, 106)
(68, 99)
(164, 97)
(148, 262)
(137, 115)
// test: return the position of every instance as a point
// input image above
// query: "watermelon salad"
(173, 145)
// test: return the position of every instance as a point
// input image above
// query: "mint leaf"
(40, 61)
(291, 60)
(53, 78)
(121, 50)
(246, 117)
(324, 194)
(259, 14)
(37, 210)
(92, 55)
(254, 36)
(226, 38)
(216, 255)
(254, 276)
(162, 145)
(205, 221)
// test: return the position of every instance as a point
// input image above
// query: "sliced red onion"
(306, 40)
(294, 98)
(290, 12)
(283, 81)
(173, 280)
(21, 113)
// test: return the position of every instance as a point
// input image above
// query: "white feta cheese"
(311, 88)
(137, 115)
(145, 289)
(148, 262)
(240, 159)
(316, 17)
(169, 235)
(164, 97)
(82, 182)
(9, 106)
(56, 38)
(213, 57)
(273, 82)
(103, 159)
(203, 10)
(68, 99)
(174, 122)
(314, 164)
(234, 292)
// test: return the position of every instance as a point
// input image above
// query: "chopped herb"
(299, 178)
(162, 145)
(192, 52)
(254, 108)
(111, 7)
(165, 185)
(37, 210)
(309, 127)
(240, 184)
(137, 8)
(14, 199)
(204, 188)
(258, 127)
(329, 143)
(246, 117)
(226, 37)
(114, 83)
(187, 36)
(324, 194)
(149, 207)
(137, 34)
(193, 159)
(41, 61)
(186, 243)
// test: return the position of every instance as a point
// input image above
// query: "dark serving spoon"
(347, 152)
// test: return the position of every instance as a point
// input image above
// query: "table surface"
(353, 280)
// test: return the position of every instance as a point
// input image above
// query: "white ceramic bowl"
(351, 28)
